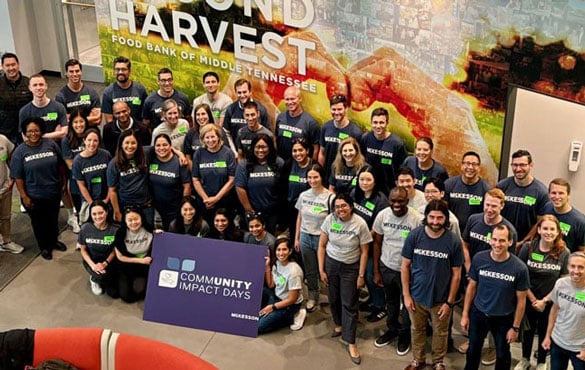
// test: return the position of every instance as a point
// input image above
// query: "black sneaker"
(60, 246)
(376, 315)
(365, 307)
(46, 254)
(403, 346)
(385, 339)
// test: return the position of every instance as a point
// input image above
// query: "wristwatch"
(516, 329)
(450, 304)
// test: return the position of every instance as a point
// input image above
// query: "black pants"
(343, 296)
(44, 218)
(538, 322)
(393, 293)
(107, 281)
(128, 276)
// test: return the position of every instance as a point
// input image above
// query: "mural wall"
(440, 67)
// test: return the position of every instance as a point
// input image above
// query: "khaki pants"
(419, 335)
(5, 213)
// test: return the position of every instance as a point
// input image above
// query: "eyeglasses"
(431, 192)
(470, 164)
(165, 80)
(124, 69)
(342, 206)
(33, 131)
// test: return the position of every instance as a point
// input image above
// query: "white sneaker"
(299, 320)
(11, 247)
(96, 289)
(72, 221)
(523, 364)
(541, 367)
(22, 209)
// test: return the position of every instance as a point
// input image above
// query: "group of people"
(330, 203)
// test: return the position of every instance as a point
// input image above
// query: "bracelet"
(274, 307)
(361, 276)
(450, 304)
(106, 262)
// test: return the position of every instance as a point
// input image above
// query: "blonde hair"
(168, 105)
(210, 127)
(339, 162)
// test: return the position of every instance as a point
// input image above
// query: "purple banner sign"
(205, 284)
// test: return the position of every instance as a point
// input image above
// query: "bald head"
(292, 100)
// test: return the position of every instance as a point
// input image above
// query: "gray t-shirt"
(345, 237)
(418, 202)
(138, 243)
(287, 278)
(313, 209)
(394, 230)
(570, 324)
(218, 106)
(176, 134)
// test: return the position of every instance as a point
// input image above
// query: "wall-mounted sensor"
(575, 155)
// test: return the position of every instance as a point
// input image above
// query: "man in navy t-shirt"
(495, 299)
(525, 195)
(430, 275)
(572, 221)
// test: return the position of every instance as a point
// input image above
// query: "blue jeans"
(278, 318)
(479, 326)
(309, 245)
(559, 358)
(376, 293)
(343, 296)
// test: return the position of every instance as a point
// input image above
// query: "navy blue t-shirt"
(465, 200)
(53, 114)
(213, 169)
(497, 283)
(436, 170)
(152, 108)
(92, 171)
(234, 118)
(345, 181)
(368, 208)
(132, 184)
(432, 260)
(331, 136)
(478, 234)
(166, 181)
(387, 155)
(38, 166)
(99, 243)
(572, 226)
(523, 204)
(85, 99)
(134, 96)
(261, 184)
(71, 153)
(289, 128)
(297, 181)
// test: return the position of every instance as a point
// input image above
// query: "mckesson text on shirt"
(290, 128)
(78, 103)
(571, 299)
(465, 196)
(97, 167)
(397, 226)
(379, 152)
(129, 171)
(527, 200)
(483, 238)
(36, 156)
(428, 253)
(497, 275)
(262, 174)
(543, 266)
(330, 139)
(163, 173)
(363, 209)
(104, 241)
